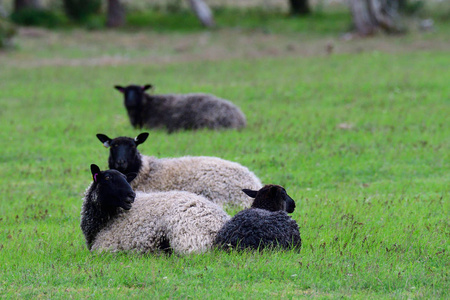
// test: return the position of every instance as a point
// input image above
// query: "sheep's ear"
(141, 138)
(131, 176)
(104, 139)
(120, 88)
(250, 193)
(146, 87)
(95, 170)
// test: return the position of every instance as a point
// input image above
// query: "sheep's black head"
(271, 197)
(113, 187)
(123, 153)
(134, 98)
(133, 94)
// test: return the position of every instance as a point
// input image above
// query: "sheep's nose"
(131, 196)
(121, 164)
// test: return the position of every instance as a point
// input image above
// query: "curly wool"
(188, 111)
(219, 180)
(256, 228)
(175, 221)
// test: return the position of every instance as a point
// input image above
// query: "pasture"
(359, 136)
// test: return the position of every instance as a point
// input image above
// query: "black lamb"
(179, 111)
(266, 225)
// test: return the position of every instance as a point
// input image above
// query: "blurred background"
(219, 28)
(367, 16)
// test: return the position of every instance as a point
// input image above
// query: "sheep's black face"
(123, 154)
(288, 202)
(117, 191)
(134, 97)
(123, 151)
(113, 188)
(272, 197)
(133, 94)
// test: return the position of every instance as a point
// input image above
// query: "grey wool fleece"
(178, 222)
(219, 180)
(265, 225)
(191, 111)
(179, 111)
(256, 228)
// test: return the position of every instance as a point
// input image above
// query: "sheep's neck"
(133, 167)
(95, 218)
(267, 204)
(135, 115)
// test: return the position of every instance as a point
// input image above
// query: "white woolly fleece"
(189, 222)
(219, 180)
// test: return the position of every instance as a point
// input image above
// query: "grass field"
(359, 138)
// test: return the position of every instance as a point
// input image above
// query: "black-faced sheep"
(219, 180)
(114, 218)
(265, 225)
(179, 111)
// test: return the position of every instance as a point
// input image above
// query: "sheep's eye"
(107, 177)
(115, 145)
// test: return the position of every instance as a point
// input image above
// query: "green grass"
(372, 195)
(335, 22)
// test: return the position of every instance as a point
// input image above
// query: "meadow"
(358, 136)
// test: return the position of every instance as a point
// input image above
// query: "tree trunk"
(27, 4)
(203, 12)
(115, 14)
(3, 13)
(362, 19)
(371, 15)
(299, 7)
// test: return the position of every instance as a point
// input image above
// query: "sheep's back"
(257, 228)
(192, 111)
(188, 222)
(138, 229)
(191, 221)
(219, 180)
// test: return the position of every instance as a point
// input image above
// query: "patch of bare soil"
(38, 47)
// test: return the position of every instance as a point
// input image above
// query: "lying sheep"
(219, 180)
(265, 225)
(176, 111)
(114, 218)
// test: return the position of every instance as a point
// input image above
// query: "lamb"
(218, 180)
(179, 111)
(115, 218)
(265, 225)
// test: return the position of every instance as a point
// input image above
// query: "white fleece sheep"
(219, 180)
(179, 222)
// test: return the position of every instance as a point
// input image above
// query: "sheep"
(179, 111)
(115, 218)
(216, 179)
(265, 225)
